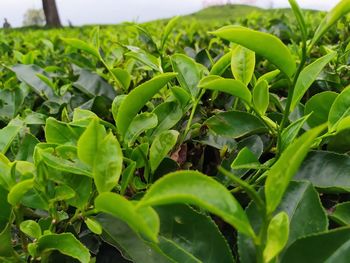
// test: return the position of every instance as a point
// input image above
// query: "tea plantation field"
(221, 136)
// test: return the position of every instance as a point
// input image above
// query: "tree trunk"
(51, 13)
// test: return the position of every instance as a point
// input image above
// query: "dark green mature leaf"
(306, 215)
(326, 170)
(65, 243)
(161, 146)
(137, 98)
(230, 86)
(188, 228)
(188, 73)
(118, 206)
(280, 174)
(235, 124)
(242, 64)
(307, 77)
(340, 109)
(261, 43)
(341, 213)
(341, 9)
(117, 233)
(319, 105)
(332, 246)
(191, 187)
(93, 85)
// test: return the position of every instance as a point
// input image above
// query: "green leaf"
(277, 236)
(340, 109)
(191, 187)
(118, 206)
(222, 64)
(161, 146)
(319, 105)
(235, 124)
(242, 64)
(188, 228)
(307, 77)
(326, 171)
(291, 132)
(141, 123)
(7, 135)
(117, 233)
(123, 77)
(332, 246)
(167, 30)
(93, 225)
(261, 97)
(341, 214)
(230, 86)
(79, 44)
(145, 58)
(188, 73)
(108, 164)
(137, 98)
(280, 174)
(306, 215)
(19, 190)
(341, 9)
(58, 132)
(6, 219)
(299, 17)
(31, 228)
(244, 157)
(66, 244)
(261, 43)
(89, 141)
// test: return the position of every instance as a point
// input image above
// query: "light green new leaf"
(277, 236)
(242, 64)
(340, 109)
(161, 146)
(307, 77)
(142, 122)
(58, 132)
(261, 97)
(30, 228)
(8, 134)
(230, 86)
(79, 44)
(108, 164)
(19, 190)
(280, 174)
(66, 244)
(167, 30)
(221, 65)
(93, 225)
(90, 140)
(263, 44)
(299, 17)
(341, 9)
(195, 188)
(118, 206)
(291, 132)
(145, 58)
(188, 73)
(123, 77)
(137, 98)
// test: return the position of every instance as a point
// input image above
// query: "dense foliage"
(190, 140)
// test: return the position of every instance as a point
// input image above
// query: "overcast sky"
(115, 11)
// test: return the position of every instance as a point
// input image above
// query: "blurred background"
(82, 12)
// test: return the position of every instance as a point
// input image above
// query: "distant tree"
(51, 13)
(6, 24)
(34, 17)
